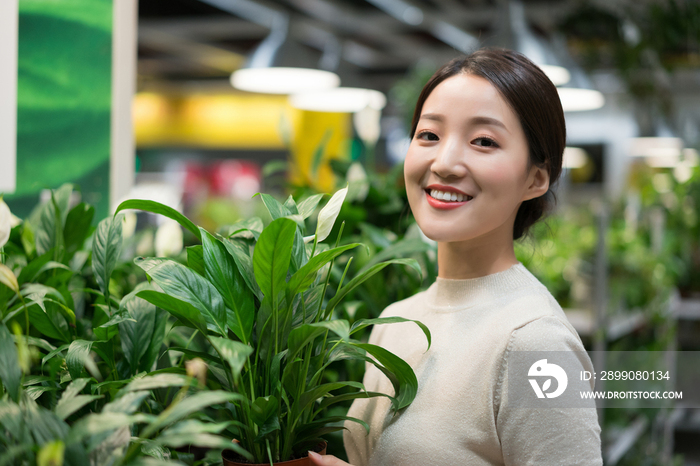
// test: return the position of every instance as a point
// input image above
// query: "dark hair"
(535, 101)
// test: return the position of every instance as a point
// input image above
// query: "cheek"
(412, 169)
(503, 175)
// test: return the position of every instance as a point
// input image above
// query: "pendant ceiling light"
(272, 69)
(341, 99)
(660, 148)
(513, 32)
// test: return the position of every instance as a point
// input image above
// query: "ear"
(537, 183)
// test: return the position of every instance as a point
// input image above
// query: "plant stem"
(269, 453)
(26, 312)
(182, 359)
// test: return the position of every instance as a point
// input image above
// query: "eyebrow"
(477, 120)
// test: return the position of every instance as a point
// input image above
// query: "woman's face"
(466, 169)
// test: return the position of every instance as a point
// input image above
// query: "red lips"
(444, 205)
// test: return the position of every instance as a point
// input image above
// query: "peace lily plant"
(260, 297)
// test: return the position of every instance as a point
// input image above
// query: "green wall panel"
(64, 100)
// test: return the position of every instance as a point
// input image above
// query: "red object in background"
(233, 179)
(196, 186)
(237, 179)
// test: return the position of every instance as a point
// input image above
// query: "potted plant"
(73, 383)
(258, 297)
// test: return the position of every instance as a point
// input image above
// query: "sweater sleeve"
(552, 436)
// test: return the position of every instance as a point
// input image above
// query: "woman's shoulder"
(537, 316)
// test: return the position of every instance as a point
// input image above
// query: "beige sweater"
(461, 414)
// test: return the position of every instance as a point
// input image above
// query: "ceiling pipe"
(262, 72)
(442, 30)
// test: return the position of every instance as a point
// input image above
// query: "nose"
(449, 161)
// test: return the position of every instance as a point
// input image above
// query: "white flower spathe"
(129, 226)
(5, 223)
(358, 182)
(169, 239)
(367, 125)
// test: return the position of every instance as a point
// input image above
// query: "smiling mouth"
(445, 196)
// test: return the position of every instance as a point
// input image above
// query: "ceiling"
(369, 43)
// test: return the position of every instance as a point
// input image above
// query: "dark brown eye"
(485, 142)
(428, 136)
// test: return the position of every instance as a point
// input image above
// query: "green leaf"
(249, 228)
(183, 311)
(272, 255)
(300, 337)
(234, 353)
(403, 378)
(360, 324)
(401, 248)
(303, 335)
(106, 248)
(190, 405)
(222, 272)
(158, 208)
(327, 216)
(203, 440)
(136, 335)
(362, 277)
(118, 318)
(48, 232)
(154, 346)
(182, 283)
(299, 255)
(274, 207)
(35, 391)
(48, 319)
(54, 352)
(51, 265)
(71, 400)
(244, 264)
(29, 271)
(211, 358)
(309, 397)
(348, 397)
(39, 343)
(94, 424)
(27, 239)
(263, 408)
(305, 276)
(195, 258)
(308, 205)
(127, 403)
(10, 372)
(311, 429)
(78, 224)
(151, 382)
(291, 205)
(77, 357)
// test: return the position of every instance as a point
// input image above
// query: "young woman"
(487, 141)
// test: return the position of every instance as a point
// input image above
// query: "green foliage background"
(63, 100)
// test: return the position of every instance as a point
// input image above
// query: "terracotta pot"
(232, 459)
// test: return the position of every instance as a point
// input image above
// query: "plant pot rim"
(305, 461)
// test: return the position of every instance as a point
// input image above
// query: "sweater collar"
(450, 294)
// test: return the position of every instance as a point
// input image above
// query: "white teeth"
(450, 197)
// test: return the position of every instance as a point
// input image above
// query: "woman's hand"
(326, 460)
